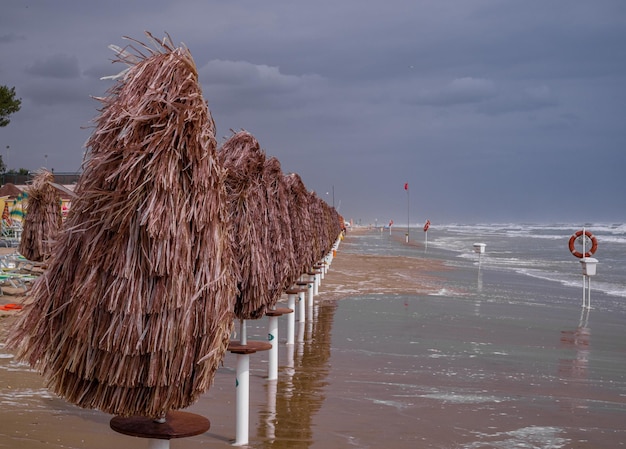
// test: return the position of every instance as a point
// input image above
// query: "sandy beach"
(389, 361)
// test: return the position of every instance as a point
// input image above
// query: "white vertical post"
(584, 290)
(242, 386)
(291, 318)
(588, 295)
(154, 443)
(272, 370)
(243, 338)
(584, 239)
(301, 331)
(301, 306)
(311, 293)
(316, 282)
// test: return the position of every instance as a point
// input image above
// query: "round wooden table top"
(279, 311)
(249, 348)
(177, 424)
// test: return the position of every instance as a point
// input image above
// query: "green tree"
(8, 104)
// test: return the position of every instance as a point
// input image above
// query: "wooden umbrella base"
(279, 311)
(249, 348)
(177, 425)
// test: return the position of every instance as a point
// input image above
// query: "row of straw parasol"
(167, 241)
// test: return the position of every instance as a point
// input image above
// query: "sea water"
(534, 251)
(503, 355)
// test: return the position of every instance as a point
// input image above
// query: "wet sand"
(387, 362)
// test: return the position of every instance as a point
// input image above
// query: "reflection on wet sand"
(293, 400)
(578, 339)
(576, 369)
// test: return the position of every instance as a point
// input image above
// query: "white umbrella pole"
(316, 282)
(242, 399)
(291, 319)
(301, 306)
(158, 444)
(311, 294)
(272, 369)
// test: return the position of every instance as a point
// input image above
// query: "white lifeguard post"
(587, 262)
(589, 269)
(479, 248)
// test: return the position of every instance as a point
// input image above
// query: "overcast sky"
(491, 110)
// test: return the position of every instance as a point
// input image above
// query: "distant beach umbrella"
(134, 313)
(301, 226)
(280, 229)
(6, 216)
(250, 213)
(10, 190)
(43, 220)
(17, 209)
(316, 212)
(334, 225)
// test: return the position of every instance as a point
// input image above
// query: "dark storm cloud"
(459, 91)
(485, 107)
(55, 66)
(55, 93)
(10, 37)
(529, 99)
(239, 85)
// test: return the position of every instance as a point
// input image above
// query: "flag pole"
(408, 219)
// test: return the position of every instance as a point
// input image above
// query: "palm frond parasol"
(301, 227)
(134, 313)
(43, 218)
(281, 240)
(243, 159)
(316, 211)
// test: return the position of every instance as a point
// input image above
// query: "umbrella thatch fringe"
(43, 218)
(135, 311)
(243, 159)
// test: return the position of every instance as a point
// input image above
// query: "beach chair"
(17, 263)
(15, 280)
(11, 233)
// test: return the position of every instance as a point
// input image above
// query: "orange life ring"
(594, 244)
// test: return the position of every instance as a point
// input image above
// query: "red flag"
(406, 186)
(426, 225)
(390, 223)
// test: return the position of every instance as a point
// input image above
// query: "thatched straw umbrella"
(316, 209)
(11, 190)
(301, 228)
(281, 240)
(331, 230)
(244, 160)
(43, 218)
(134, 313)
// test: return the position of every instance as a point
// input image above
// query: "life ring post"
(581, 237)
(588, 263)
